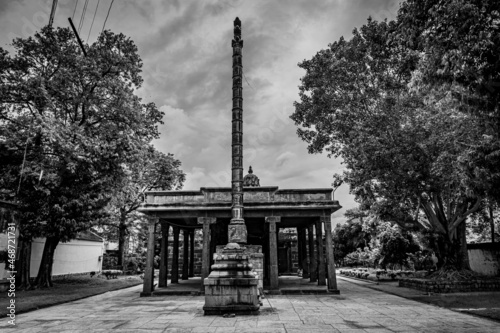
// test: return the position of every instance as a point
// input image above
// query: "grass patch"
(66, 289)
(483, 305)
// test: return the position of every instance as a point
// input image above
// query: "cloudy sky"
(186, 50)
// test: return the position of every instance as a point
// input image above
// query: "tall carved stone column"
(313, 274)
(185, 254)
(237, 229)
(148, 286)
(162, 279)
(330, 260)
(232, 287)
(191, 253)
(175, 257)
(321, 254)
(273, 252)
(205, 255)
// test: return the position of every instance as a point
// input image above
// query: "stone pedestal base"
(255, 258)
(238, 296)
(231, 287)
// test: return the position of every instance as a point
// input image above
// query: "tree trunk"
(492, 223)
(122, 233)
(23, 264)
(452, 251)
(462, 253)
(44, 277)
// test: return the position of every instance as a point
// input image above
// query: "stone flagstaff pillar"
(237, 229)
(232, 287)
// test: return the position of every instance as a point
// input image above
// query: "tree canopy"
(415, 147)
(70, 124)
(152, 171)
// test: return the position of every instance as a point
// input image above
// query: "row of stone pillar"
(314, 255)
(188, 256)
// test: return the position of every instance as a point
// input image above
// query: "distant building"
(80, 255)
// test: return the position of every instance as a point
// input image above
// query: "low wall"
(484, 258)
(451, 286)
(73, 257)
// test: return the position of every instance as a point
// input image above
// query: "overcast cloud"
(186, 51)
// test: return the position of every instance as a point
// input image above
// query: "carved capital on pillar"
(273, 219)
(207, 220)
(326, 218)
(327, 222)
(153, 219)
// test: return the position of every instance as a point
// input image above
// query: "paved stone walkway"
(357, 309)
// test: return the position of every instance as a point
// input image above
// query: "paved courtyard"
(357, 309)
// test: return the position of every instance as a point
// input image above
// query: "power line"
(245, 77)
(111, 4)
(93, 19)
(76, 5)
(84, 12)
(83, 15)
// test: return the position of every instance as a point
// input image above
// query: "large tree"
(70, 122)
(407, 143)
(153, 171)
(351, 235)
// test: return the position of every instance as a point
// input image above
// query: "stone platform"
(358, 309)
(288, 285)
(232, 286)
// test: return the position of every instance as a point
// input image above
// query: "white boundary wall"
(75, 256)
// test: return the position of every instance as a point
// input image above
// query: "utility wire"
(93, 20)
(111, 4)
(245, 77)
(74, 11)
(83, 16)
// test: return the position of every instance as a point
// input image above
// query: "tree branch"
(462, 218)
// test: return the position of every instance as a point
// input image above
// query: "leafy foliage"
(152, 171)
(350, 236)
(403, 103)
(396, 246)
(70, 124)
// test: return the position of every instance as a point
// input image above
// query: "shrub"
(108, 261)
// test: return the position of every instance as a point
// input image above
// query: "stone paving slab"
(356, 309)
